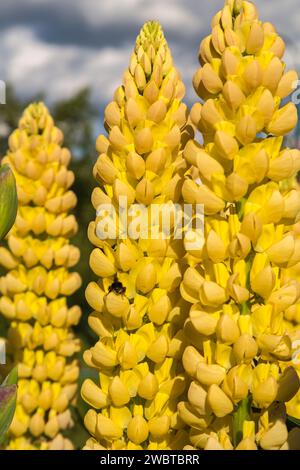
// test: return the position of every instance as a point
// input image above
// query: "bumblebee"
(117, 287)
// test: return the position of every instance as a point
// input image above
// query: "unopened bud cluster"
(34, 292)
(138, 310)
(239, 284)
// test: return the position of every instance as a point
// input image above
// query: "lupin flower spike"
(34, 292)
(138, 312)
(240, 353)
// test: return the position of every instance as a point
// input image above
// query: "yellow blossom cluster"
(197, 332)
(138, 310)
(34, 292)
(240, 283)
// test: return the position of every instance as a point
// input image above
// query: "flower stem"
(241, 414)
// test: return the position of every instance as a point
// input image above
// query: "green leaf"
(12, 378)
(8, 398)
(6, 394)
(293, 420)
(8, 200)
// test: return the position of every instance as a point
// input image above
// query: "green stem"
(241, 414)
(245, 309)
(240, 207)
(249, 263)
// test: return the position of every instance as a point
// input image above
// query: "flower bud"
(220, 404)
(256, 39)
(246, 444)
(106, 428)
(144, 141)
(229, 63)
(196, 156)
(158, 312)
(117, 305)
(197, 397)
(144, 192)
(106, 169)
(100, 264)
(251, 227)
(156, 160)
(275, 437)
(213, 444)
(191, 359)
(191, 418)
(118, 392)
(93, 395)
(90, 421)
(117, 139)
(37, 424)
(138, 430)
(227, 330)
(148, 387)
(264, 391)
(284, 120)
(285, 297)
(112, 114)
(233, 95)
(287, 84)
(127, 356)
(278, 346)
(203, 322)
(211, 294)
(126, 256)
(210, 374)
(272, 74)
(246, 130)
(245, 349)
(146, 278)
(240, 246)
(280, 252)
(135, 165)
(264, 282)
(194, 194)
(159, 426)
(123, 192)
(158, 349)
(236, 187)
(104, 355)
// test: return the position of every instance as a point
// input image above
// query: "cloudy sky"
(60, 46)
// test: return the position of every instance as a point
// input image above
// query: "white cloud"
(173, 14)
(34, 66)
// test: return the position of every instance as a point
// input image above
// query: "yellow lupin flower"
(38, 258)
(241, 284)
(138, 312)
